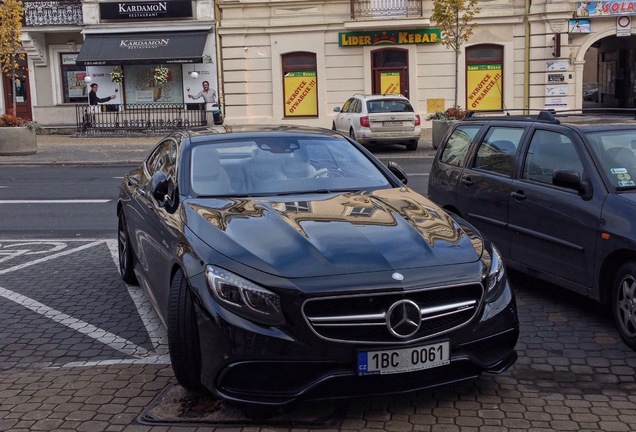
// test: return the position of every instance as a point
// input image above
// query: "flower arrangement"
(11, 120)
(161, 75)
(452, 113)
(116, 76)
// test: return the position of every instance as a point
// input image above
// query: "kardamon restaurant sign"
(389, 37)
(133, 10)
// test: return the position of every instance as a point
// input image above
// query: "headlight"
(494, 273)
(243, 297)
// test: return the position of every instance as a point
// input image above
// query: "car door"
(484, 186)
(342, 119)
(155, 237)
(447, 167)
(554, 229)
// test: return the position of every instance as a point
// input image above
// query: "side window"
(357, 106)
(347, 105)
(456, 149)
(549, 151)
(164, 158)
(497, 151)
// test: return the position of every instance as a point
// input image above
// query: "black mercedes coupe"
(288, 263)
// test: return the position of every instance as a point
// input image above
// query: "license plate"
(404, 359)
(392, 123)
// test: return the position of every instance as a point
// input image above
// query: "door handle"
(518, 195)
(467, 181)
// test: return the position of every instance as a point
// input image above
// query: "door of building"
(390, 71)
(21, 89)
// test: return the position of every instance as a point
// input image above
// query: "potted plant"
(442, 121)
(18, 136)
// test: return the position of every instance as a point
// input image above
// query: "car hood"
(330, 234)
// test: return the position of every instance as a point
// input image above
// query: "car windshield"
(616, 151)
(389, 105)
(281, 165)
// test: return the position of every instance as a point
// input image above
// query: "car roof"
(206, 134)
(380, 96)
(585, 119)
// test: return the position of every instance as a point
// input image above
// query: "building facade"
(294, 61)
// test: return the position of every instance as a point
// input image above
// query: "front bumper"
(247, 363)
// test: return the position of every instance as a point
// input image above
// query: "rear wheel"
(124, 252)
(183, 335)
(412, 145)
(624, 303)
(352, 134)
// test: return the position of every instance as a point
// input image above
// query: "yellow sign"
(301, 95)
(484, 88)
(435, 105)
(390, 82)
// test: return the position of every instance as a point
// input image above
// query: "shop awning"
(142, 48)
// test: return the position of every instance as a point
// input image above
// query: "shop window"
(484, 77)
(74, 88)
(300, 82)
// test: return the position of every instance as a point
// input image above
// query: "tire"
(624, 303)
(333, 126)
(412, 145)
(183, 335)
(125, 253)
(352, 134)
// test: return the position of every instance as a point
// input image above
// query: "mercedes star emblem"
(404, 318)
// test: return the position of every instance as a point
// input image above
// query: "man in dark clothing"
(92, 96)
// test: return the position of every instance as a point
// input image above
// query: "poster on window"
(100, 75)
(76, 88)
(199, 84)
(390, 82)
(301, 95)
(142, 87)
(484, 88)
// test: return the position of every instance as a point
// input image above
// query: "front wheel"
(624, 303)
(183, 335)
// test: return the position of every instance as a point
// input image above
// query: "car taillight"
(417, 119)
(364, 121)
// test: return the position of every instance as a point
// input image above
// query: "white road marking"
(58, 201)
(112, 340)
(149, 318)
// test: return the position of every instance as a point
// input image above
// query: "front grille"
(362, 318)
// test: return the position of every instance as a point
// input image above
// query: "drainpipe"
(219, 59)
(526, 71)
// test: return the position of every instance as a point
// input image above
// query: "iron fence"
(381, 9)
(145, 118)
(52, 13)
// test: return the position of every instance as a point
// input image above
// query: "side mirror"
(571, 180)
(398, 172)
(159, 187)
(337, 109)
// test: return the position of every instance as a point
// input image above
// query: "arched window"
(484, 77)
(300, 84)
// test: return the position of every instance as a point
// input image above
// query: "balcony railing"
(53, 13)
(384, 9)
(110, 119)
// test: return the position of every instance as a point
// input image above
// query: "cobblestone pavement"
(81, 351)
